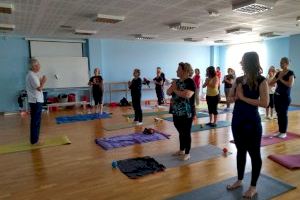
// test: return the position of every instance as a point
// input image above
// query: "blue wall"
(14, 55)
(294, 65)
(275, 50)
(120, 57)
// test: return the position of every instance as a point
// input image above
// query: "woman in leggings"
(282, 96)
(249, 92)
(212, 95)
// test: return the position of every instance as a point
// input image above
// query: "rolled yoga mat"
(288, 161)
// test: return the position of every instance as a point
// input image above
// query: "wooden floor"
(83, 170)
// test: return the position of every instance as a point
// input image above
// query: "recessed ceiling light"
(269, 34)
(298, 19)
(183, 26)
(109, 19)
(84, 32)
(192, 40)
(145, 37)
(238, 30)
(221, 41)
(213, 13)
(6, 8)
(7, 27)
(253, 6)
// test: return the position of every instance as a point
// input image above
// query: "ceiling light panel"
(252, 7)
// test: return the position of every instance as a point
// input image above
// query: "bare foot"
(235, 185)
(250, 193)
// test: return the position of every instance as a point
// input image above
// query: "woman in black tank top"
(249, 92)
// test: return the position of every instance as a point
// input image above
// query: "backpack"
(124, 102)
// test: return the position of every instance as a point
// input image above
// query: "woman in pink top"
(197, 81)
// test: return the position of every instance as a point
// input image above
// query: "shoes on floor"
(178, 153)
(281, 135)
(186, 157)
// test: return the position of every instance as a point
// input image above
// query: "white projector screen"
(64, 72)
(55, 49)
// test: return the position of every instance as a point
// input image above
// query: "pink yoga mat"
(288, 161)
(270, 139)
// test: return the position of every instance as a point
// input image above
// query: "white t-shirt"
(271, 88)
(32, 83)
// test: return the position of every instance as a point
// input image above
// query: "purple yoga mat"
(130, 139)
(288, 161)
(270, 139)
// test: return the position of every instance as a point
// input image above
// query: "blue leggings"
(247, 137)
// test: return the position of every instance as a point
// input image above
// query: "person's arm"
(274, 79)
(262, 101)
(171, 89)
(184, 93)
(205, 83)
(288, 83)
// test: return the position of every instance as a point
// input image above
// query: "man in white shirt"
(34, 86)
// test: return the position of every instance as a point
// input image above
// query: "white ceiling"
(43, 18)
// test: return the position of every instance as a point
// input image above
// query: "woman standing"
(182, 107)
(282, 98)
(197, 81)
(96, 82)
(272, 87)
(135, 85)
(212, 95)
(249, 91)
(228, 81)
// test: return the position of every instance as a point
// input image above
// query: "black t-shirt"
(97, 83)
(158, 79)
(228, 77)
(136, 87)
(282, 89)
(163, 77)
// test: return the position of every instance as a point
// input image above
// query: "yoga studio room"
(149, 99)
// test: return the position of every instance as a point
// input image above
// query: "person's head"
(136, 73)
(197, 71)
(272, 71)
(218, 69)
(34, 65)
(191, 71)
(158, 71)
(183, 71)
(210, 72)
(251, 68)
(96, 71)
(284, 63)
(230, 71)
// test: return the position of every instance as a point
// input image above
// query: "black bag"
(124, 102)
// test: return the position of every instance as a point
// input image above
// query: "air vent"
(298, 19)
(7, 27)
(145, 37)
(6, 8)
(183, 26)
(192, 40)
(252, 7)
(213, 13)
(84, 32)
(66, 27)
(238, 30)
(109, 19)
(269, 34)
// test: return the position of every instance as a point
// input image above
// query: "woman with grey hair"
(34, 88)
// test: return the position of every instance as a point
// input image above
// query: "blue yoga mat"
(204, 127)
(79, 118)
(294, 108)
(130, 139)
(199, 115)
(267, 188)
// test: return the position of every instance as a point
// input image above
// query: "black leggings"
(159, 94)
(212, 104)
(281, 106)
(247, 137)
(136, 104)
(184, 126)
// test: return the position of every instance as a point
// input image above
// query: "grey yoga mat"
(204, 127)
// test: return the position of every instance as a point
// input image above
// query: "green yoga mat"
(147, 114)
(204, 127)
(267, 188)
(25, 146)
(112, 127)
